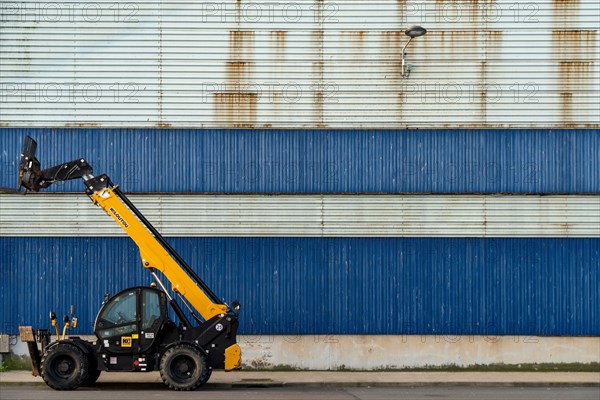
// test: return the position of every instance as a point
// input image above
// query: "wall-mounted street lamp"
(412, 32)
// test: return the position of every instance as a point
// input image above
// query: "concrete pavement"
(212, 392)
(346, 379)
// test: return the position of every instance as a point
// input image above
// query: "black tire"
(94, 372)
(208, 374)
(92, 377)
(64, 367)
(205, 379)
(184, 367)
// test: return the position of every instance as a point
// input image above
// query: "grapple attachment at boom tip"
(29, 166)
(33, 177)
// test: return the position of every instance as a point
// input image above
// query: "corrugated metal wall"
(322, 161)
(307, 63)
(330, 285)
(64, 215)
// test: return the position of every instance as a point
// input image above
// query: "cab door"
(153, 312)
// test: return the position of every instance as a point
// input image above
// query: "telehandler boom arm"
(155, 252)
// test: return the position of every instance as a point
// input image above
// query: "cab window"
(122, 309)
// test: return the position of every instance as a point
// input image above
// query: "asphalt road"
(153, 391)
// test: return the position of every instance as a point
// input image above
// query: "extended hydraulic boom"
(133, 329)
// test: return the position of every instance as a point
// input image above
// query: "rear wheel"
(64, 367)
(184, 367)
(206, 378)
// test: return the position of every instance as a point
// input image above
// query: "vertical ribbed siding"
(304, 63)
(321, 161)
(330, 285)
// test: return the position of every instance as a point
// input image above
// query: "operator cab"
(130, 323)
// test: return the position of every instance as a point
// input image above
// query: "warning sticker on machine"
(149, 335)
(126, 341)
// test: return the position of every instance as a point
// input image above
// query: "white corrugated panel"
(307, 63)
(312, 215)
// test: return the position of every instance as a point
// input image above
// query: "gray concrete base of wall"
(366, 352)
(375, 352)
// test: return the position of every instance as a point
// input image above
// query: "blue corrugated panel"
(330, 285)
(322, 161)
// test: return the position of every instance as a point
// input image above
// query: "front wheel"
(184, 367)
(64, 367)
(94, 373)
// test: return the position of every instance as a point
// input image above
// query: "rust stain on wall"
(565, 13)
(569, 69)
(470, 53)
(318, 99)
(462, 42)
(494, 36)
(236, 109)
(279, 38)
(401, 11)
(241, 45)
(318, 68)
(318, 65)
(355, 36)
(574, 44)
(575, 73)
(483, 91)
(238, 73)
(238, 12)
(81, 125)
(394, 36)
(456, 47)
(566, 101)
(353, 42)
(400, 100)
(236, 106)
(392, 43)
(575, 57)
(492, 41)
